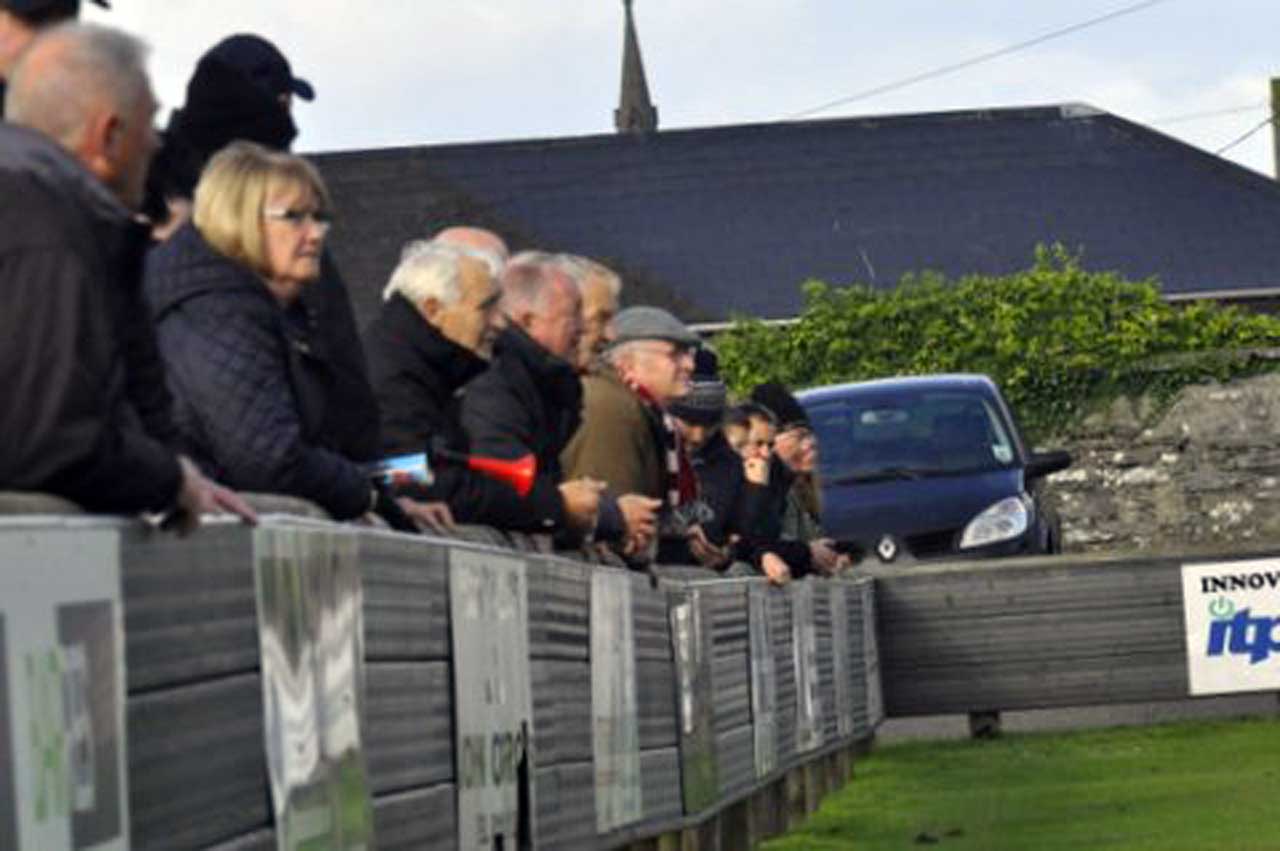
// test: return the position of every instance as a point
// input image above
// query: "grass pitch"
(1181, 787)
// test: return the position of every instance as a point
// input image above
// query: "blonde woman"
(251, 390)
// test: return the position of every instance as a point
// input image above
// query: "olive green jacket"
(619, 440)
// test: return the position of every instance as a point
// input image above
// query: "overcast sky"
(398, 72)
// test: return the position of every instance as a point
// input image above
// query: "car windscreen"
(909, 434)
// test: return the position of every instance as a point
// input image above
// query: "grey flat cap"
(651, 323)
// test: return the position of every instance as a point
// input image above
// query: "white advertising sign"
(764, 681)
(839, 601)
(871, 655)
(311, 637)
(63, 783)
(493, 721)
(614, 702)
(1232, 614)
(804, 640)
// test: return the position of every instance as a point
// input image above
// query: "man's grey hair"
(491, 259)
(527, 280)
(97, 65)
(582, 269)
(428, 270)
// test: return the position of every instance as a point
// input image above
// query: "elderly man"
(71, 344)
(529, 401)
(627, 437)
(437, 326)
(20, 20)
(601, 290)
(486, 242)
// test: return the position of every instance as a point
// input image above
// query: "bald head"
(476, 239)
(86, 87)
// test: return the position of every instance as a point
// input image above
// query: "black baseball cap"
(47, 9)
(263, 63)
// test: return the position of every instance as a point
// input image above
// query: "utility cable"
(985, 57)
(1212, 113)
(1268, 120)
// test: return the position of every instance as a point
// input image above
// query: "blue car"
(929, 468)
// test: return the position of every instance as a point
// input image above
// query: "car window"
(910, 435)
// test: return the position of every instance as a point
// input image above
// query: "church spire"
(635, 112)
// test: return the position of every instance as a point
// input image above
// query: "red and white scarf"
(682, 484)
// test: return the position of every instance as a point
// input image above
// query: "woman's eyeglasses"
(322, 219)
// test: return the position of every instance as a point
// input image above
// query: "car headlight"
(1005, 520)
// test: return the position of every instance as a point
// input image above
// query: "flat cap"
(651, 323)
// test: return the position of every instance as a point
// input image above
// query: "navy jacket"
(251, 393)
(85, 413)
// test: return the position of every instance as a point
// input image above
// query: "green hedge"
(1058, 338)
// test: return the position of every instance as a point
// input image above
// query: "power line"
(1268, 120)
(985, 57)
(1213, 113)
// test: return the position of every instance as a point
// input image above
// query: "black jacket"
(251, 393)
(417, 373)
(76, 350)
(735, 503)
(528, 401)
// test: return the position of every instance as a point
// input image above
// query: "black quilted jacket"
(251, 393)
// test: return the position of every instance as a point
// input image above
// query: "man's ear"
(430, 308)
(100, 144)
(523, 318)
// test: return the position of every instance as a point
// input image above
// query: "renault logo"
(887, 548)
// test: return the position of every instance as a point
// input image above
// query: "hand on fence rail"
(640, 514)
(429, 516)
(199, 495)
(775, 569)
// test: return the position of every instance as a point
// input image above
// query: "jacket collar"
(30, 152)
(186, 266)
(555, 376)
(453, 364)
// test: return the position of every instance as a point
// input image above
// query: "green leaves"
(1057, 337)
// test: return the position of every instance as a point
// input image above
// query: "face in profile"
(294, 226)
(797, 447)
(694, 435)
(663, 368)
(474, 321)
(599, 307)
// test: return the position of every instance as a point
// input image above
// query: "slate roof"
(730, 220)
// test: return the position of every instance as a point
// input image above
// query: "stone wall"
(1204, 473)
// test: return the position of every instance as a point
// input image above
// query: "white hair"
(583, 269)
(491, 259)
(98, 65)
(428, 270)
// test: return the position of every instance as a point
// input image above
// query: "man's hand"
(757, 471)
(199, 495)
(825, 557)
(582, 502)
(707, 553)
(775, 569)
(428, 516)
(640, 515)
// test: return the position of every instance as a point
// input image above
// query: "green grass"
(1177, 787)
